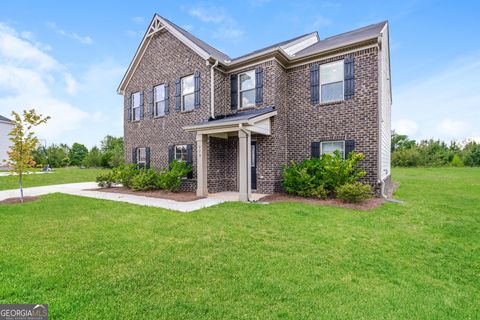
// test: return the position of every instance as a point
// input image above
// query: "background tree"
(93, 158)
(112, 149)
(24, 142)
(58, 155)
(77, 153)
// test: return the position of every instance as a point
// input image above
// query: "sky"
(66, 58)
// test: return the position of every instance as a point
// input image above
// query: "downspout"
(212, 90)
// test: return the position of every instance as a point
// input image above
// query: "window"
(331, 81)
(246, 82)
(135, 106)
(188, 96)
(328, 147)
(181, 153)
(141, 157)
(159, 100)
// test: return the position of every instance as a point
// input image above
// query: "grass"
(95, 259)
(58, 176)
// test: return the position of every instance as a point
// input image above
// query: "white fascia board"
(296, 46)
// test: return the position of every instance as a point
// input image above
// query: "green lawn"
(94, 259)
(58, 176)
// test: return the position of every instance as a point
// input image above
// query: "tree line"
(108, 155)
(433, 153)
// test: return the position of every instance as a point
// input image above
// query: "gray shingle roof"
(217, 54)
(343, 39)
(2, 118)
(239, 116)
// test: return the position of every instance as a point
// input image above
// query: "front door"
(254, 165)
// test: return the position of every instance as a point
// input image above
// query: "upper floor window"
(331, 81)
(329, 147)
(188, 95)
(246, 83)
(141, 157)
(159, 100)
(135, 106)
(181, 153)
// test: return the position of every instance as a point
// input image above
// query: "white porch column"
(202, 165)
(242, 176)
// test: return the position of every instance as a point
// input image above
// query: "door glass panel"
(253, 158)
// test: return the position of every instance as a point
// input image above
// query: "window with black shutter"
(349, 80)
(315, 150)
(314, 84)
(197, 89)
(190, 159)
(178, 95)
(234, 92)
(258, 85)
(147, 157)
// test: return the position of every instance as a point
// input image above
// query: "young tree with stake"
(24, 142)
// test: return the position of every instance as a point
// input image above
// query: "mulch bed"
(283, 197)
(161, 194)
(17, 200)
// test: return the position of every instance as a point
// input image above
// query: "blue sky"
(66, 58)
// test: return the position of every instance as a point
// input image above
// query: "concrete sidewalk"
(80, 189)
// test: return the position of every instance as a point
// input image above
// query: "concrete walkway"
(80, 189)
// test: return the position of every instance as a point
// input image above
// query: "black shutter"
(190, 159)
(151, 100)
(258, 85)
(314, 83)
(167, 90)
(315, 150)
(234, 92)
(178, 95)
(171, 151)
(349, 147)
(197, 89)
(147, 156)
(134, 155)
(129, 107)
(141, 105)
(349, 71)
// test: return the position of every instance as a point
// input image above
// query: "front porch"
(237, 127)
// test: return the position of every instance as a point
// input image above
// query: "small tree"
(24, 142)
(77, 153)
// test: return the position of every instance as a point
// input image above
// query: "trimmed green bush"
(106, 180)
(456, 161)
(125, 173)
(320, 177)
(171, 179)
(354, 192)
(145, 180)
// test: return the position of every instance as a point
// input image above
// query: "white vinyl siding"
(331, 81)
(246, 89)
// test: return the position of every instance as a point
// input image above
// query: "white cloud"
(405, 126)
(138, 20)
(71, 35)
(445, 105)
(31, 78)
(321, 21)
(225, 27)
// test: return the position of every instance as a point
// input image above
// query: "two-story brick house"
(237, 121)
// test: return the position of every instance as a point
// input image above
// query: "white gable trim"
(158, 24)
(295, 46)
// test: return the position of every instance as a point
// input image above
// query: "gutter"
(212, 89)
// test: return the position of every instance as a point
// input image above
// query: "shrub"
(319, 177)
(106, 180)
(171, 179)
(125, 173)
(145, 180)
(354, 192)
(456, 161)
(406, 158)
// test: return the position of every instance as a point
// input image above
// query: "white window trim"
(182, 95)
(155, 100)
(239, 98)
(175, 152)
(320, 82)
(132, 107)
(138, 156)
(333, 141)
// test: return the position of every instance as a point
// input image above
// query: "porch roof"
(249, 118)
